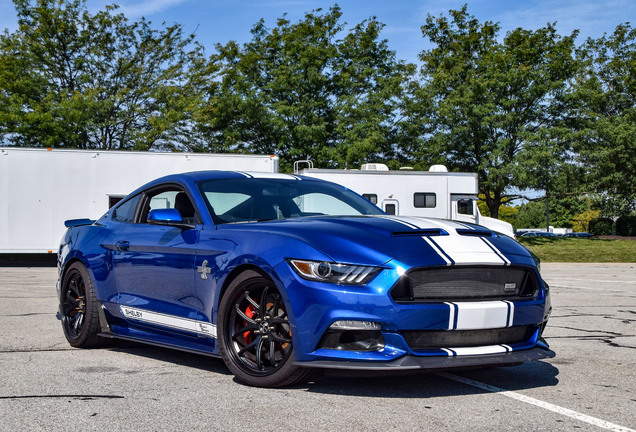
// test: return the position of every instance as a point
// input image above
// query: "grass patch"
(581, 250)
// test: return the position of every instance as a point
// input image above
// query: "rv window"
(424, 200)
(371, 197)
(465, 207)
(389, 208)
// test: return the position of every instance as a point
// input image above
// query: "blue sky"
(218, 21)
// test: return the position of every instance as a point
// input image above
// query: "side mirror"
(167, 217)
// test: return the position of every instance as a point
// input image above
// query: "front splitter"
(410, 362)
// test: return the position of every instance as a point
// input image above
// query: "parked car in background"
(578, 234)
(539, 234)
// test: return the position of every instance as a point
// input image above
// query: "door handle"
(122, 245)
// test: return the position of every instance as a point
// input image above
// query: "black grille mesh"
(428, 339)
(470, 283)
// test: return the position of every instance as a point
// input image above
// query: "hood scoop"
(474, 232)
(421, 232)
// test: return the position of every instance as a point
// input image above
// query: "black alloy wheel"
(256, 337)
(74, 305)
(78, 308)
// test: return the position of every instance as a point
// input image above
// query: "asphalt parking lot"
(590, 385)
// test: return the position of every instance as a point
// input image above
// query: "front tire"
(78, 308)
(255, 333)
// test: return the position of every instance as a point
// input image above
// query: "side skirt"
(159, 344)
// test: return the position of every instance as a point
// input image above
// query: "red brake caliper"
(248, 335)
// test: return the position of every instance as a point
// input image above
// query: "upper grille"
(464, 283)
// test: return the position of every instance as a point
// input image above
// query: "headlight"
(324, 271)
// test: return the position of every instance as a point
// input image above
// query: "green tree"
(530, 215)
(492, 103)
(507, 212)
(605, 123)
(72, 79)
(301, 92)
(562, 212)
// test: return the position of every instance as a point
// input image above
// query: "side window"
(424, 200)
(371, 197)
(126, 211)
(390, 209)
(170, 198)
(465, 207)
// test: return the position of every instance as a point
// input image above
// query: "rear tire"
(255, 334)
(78, 308)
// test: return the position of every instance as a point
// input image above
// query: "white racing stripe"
(399, 220)
(539, 403)
(171, 321)
(496, 251)
(451, 315)
(468, 250)
(480, 350)
(480, 315)
(267, 175)
(454, 248)
(432, 244)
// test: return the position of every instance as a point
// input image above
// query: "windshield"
(260, 199)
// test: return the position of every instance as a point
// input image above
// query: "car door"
(154, 265)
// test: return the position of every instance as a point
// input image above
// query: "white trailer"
(41, 188)
(435, 193)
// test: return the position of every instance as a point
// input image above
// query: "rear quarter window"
(126, 211)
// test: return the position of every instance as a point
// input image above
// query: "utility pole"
(547, 213)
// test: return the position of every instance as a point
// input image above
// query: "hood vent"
(421, 232)
(474, 232)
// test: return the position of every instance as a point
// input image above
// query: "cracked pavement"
(48, 385)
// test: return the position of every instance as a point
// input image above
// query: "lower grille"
(464, 282)
(428, 339)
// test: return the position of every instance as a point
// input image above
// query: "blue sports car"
(281, 274)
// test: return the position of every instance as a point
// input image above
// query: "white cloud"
(134, 9)
(592, 18)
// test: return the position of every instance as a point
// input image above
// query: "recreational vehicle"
(435, 193)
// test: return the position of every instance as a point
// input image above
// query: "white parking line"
(578, 287)
(593, 280)
(532, 401)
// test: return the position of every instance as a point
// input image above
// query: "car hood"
(375, 240)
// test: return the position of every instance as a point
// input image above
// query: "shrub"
(626, 226)
(581, 222)
(602, 226)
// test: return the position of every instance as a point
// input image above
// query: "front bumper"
(316, 306)
(411, 362)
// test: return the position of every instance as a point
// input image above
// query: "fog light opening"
(355, 325)
(353, 336)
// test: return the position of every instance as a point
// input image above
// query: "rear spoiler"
(78, 222)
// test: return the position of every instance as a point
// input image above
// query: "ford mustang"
(280, 274)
